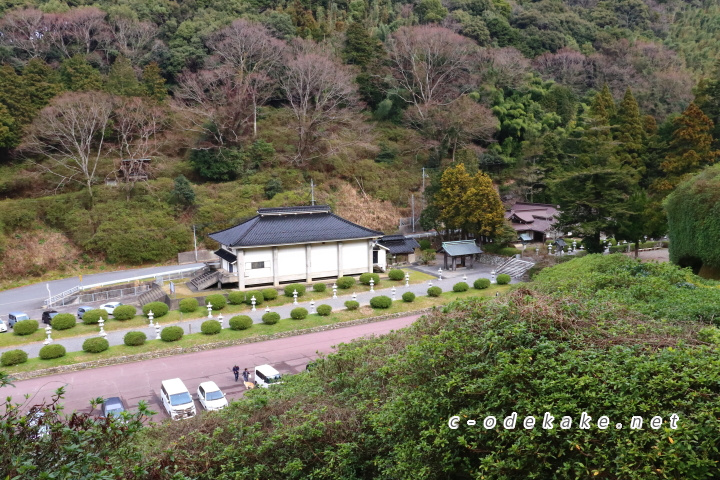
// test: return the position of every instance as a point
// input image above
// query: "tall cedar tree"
(122, 79)
(630, 133)
(707, 97)
(78, 75)
(154, 82)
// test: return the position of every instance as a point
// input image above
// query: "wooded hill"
(250, 101)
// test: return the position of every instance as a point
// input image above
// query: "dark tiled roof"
(225, 255)
(398, 244)
(281, 226)
(461, 247)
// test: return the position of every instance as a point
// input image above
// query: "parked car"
(110, 307)
(14, 317)
(3, 327)
(48, 315)
(265, 375)
(210, 396)
(113, 406)
(176, 399)
(81, 311)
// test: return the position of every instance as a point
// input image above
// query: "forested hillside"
(241, 104)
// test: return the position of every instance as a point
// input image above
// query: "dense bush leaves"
(48, 352)
(63, 321)
(95, 345)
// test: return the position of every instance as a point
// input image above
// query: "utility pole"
(423, 179)
(195, 243)
(312, 191)
(412, 202)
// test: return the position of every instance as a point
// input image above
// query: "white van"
(265, 375)
(176, 399)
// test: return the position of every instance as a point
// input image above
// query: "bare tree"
(24, 30)
(131, 37)
(70, 134)
(504, 66)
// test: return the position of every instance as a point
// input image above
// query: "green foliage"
(240, 322)
(236, 298)
(92, 317)
(63, 321)
(461, 287)
(710, 335)
(13, 357)
(182, 193)
(210, 327)
(381, 301)
(425, 244)
(273, 187)
(298, 313)
(159, 309)
(188, 305)
(503, 279)
(434, 291)
(365, 278)
(217, 300)
(171, 334)
(509, 251)
(125, 312)
(219, 165)
(319, 287)
(54, 350)
(324, 310)
(428, 256)
(134, 339)
(122, 79)
(396, 274)
(289, 289)
(95, 345)
(269, 293)
(153, 82)
(271, 318)
(431, 11)
(258, 294)
(345, 282)
(408, 297)
(78, 75)
(352, 305)
(481, 283)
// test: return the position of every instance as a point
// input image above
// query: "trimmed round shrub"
(259, 297)
(271, 318)
(481, 283)
(503, 279)
(95, 344)
(210, 327)
(240, 322)
(425, 244)
(365, 278)
(324, 310)
(63, 321)
(217, 301)
(48, 352)
(319, 287)
(134, 339)
(171, 334)
(289, 289)
(352, 305)
(434, 291)
(26, 327)
(125, 312)
(345, 282)
(408, 297)
(381, 301)
(13, 357)
(92, 317)
(188, 305)
(460, 287)
(509, 251)
(270, 293)
(298, 313)
(236, 298)
(159, 309)
(396, 274)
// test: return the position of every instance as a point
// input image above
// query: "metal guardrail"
(101, 296)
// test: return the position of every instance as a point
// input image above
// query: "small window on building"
(255, 265)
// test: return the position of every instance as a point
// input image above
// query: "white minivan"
(176, 399)
(265, 375)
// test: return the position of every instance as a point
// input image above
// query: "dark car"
(48, 315)
(113, 406)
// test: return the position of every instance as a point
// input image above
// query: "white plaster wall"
(382, 258)
(291, 261)
(324, 259)
(258, 255)
(355, 255)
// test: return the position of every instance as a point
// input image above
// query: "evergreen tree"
(154, 82)
(603, 106)
(122, 79)
(361, 48)
(78, 75)
(183, 193)
(8, 132)
(630, 133)
(707, 97)
(41, 82)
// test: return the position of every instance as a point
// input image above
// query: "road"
(138, 381)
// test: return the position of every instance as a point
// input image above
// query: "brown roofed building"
(532, 221)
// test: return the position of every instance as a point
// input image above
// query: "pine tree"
(603, 106)
(630, 133)
(361, 48)
(183, 193)
(41, 82)
(122, 79)
(78, 75)
(154, 82)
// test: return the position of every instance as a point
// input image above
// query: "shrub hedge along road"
(240, 322)
(63, 321)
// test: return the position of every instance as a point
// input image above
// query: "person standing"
(246, 375)
(236, 371)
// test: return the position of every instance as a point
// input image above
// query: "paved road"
(141, 381)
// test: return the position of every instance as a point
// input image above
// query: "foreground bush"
(210, 327)
(270, 293)
(125, 312)
(271, 318)
(188, 305)
(299, 287)
(298, 313)
(481, 283)
(396, 275)
(236, 298)
(63, 321)
(345, 282)
(434, 291)
(460, 287)
(13, 357)
(134, 339)
(381, 301)
(95, 344)
(324, 310)
(352, 305)
(26, 327)
(159, 309)
(217, 301)
(54, 350)
(319, 287)
(503, 279)
(365, 278)
(408, 297)
(171, 334)
(93, 317)
(240, 322)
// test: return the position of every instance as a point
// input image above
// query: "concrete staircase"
(514, 267)
(205, 278)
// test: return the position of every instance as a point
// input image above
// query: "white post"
(429, 283)
(372, 285)
(492, 276)
(220, 319)
(334, 290)
(252, 301)
(150, 317)
(407, 279)
(312, 306)
(354, 296)
(209, 307)
(49, 339)
(439, 273)
(267, 309)
(295, 294)
(157, 331)
(393, 293)
(101, 322)
(464, 278)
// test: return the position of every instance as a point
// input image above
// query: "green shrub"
(259, 297)
(352, 305)
(271, 318)
(425, 244)
(270, 293)
(381, 301)
(580, 253)
(236, 298)
(13, 357)
(92, 317)
(188, 305)
(508, 251)
(171, 334)
(408, 297)
(210, 327)
(460, 287)
(48, 352)
(217, 301)
(324, 310)
(434, 291)
(365, 278)
(319, 287)
(240, 322)
(709, 335)
(95, 344)
(503, 279)
(345, 282)
(427, 256)
(125, 312)
(396, 274)
(289, 289)
(63, 321)
(481, 283)
(134, 339)
(159, 309)
(298, 313)
(492, 247)
(26, 327)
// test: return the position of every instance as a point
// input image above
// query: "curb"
(207, 346)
